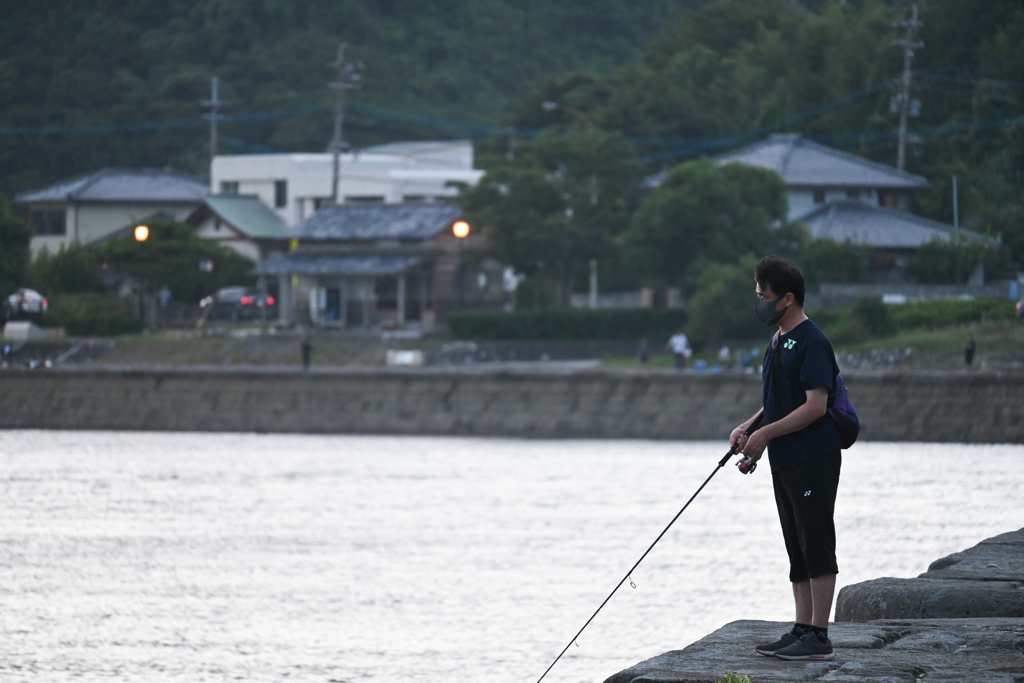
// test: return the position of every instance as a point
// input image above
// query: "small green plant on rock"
(733, 677)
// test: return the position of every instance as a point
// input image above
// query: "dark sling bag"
(843, 413)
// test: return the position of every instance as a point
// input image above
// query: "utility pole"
(349, 75)
(902, 102)
(213, 104)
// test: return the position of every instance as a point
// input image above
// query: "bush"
(567, 323)
(73, 270)
(723, 305)
(874, 316)
(949, 312)
(92, 315)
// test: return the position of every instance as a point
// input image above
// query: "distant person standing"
(969, 350)
(306, 342)
(679, 344)
(724, 357)
(642, 354)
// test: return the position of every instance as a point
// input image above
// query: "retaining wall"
(976, 408)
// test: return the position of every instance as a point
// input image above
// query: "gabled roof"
(337, 264)
(348, 222)
(122, 185)
(245, 213)
(873, 226)
(803, 163)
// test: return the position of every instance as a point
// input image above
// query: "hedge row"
(949, 312)
(656, 324)
(88, 315)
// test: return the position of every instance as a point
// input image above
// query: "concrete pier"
(488, 400)
(879, 634)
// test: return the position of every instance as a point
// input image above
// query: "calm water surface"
(215, 557)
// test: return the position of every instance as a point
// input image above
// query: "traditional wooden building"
(387, 265)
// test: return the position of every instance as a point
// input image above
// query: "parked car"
(27, 303)
(241, 303)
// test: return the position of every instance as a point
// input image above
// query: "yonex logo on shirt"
(790, 343)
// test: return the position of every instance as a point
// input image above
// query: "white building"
(106, 203)
(817, 175)
(295, 185)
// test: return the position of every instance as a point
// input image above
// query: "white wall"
(218, 231)
(87, 223)
(801, 201)
(392, 177)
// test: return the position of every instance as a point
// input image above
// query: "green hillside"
(100, 62)
(96, 83)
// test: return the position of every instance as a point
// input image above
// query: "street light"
(141, 233)
(461, 229)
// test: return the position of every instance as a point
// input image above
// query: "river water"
(217, 557)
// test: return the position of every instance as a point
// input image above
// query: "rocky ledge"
(984, 581)
(962, 620)
(884, 651)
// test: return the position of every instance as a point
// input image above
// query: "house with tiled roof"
(96, 206)
(849, 199)
(816, 174)
(242, 223)
(390, 265)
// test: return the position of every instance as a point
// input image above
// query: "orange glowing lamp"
(461, 229)
(141, 233)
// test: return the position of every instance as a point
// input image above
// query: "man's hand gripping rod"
(721, 463)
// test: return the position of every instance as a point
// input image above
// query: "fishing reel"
(746, 464)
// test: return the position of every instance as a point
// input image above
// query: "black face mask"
(766, 313)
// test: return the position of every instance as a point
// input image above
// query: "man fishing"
(798, 373)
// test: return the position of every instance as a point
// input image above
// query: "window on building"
(370, 199)
(229, 187)
(819, 196)
(853, 194)
(47, 221)
(887, 199)
(280, 193)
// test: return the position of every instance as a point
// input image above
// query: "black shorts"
(806, 497)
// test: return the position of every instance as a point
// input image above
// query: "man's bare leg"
(822, 590)
(803, 600)
(813, 598)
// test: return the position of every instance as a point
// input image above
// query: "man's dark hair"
(781, 276)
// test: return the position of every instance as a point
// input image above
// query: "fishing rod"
(746, 466)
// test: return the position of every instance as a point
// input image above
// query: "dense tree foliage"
(98, 62)
(14, 239)
(561, 202)
(704, 212)
(172, 257)
(729, 73)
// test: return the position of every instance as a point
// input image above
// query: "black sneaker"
(808, 647)
(769, 649)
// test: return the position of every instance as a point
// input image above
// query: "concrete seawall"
(488, 402)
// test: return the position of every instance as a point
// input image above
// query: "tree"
(562, 202)
(14, 241)
(173, 256)
(722, 307)
(72, 270)
(951, 262)
(704, 212)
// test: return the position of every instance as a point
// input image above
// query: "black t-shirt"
(807, 362)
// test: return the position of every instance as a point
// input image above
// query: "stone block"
(888, 651)
(919, 598)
